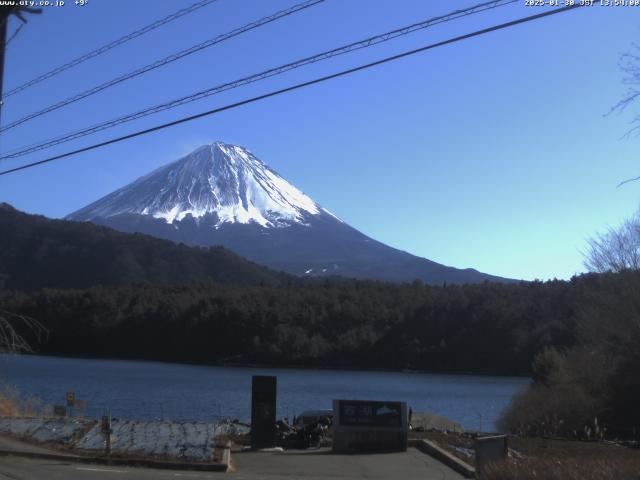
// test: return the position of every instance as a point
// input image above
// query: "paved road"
(18, 468)
(7, 443)
(306, 465)
(323, 465)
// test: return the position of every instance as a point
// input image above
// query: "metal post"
(106, 429)
(109, 430)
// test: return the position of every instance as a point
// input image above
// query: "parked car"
(310, 417)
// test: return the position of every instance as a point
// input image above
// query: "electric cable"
(108, 46)
(368, 42)
(164, 61)
(298, 86)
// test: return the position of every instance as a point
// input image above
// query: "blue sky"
(493, 153)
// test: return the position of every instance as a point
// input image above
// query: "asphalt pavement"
(19, 468)
(319, 464)
(323, 465)
(316, 465)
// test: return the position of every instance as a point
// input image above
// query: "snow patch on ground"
(189, 441)
(43, 430)
(185, 440)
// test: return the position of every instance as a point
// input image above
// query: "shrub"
(12, 404)
(566, 410)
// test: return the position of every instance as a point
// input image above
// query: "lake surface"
(151, 390)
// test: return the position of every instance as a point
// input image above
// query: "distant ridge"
(37, 252)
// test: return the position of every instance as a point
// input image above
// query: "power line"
(368, 42)
(296, 86)
(108, 46)
(165, 61)
(14, 34)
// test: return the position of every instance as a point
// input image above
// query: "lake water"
(150, 390)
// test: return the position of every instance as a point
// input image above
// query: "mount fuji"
(222, 194)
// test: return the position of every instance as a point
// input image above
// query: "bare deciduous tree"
(630, 66)
(616, 250)
(10, 340)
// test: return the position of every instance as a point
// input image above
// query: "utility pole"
(5, 13)
(4, 21)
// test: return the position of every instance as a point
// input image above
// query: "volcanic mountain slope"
(221, 194)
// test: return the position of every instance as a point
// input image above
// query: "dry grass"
(551, 459)
(12, 404)
(566, 468)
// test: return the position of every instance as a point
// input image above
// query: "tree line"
(481, 328)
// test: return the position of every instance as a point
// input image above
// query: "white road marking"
(87, 469)
(188, 475)
(191, 475)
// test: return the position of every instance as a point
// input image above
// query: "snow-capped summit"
(224, 180)
(221, 194)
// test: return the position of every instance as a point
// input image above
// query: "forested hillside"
(37, 252)
(492, 328)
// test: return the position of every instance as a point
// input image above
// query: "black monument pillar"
(263, 411)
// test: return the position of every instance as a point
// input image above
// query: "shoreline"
(238, 365)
